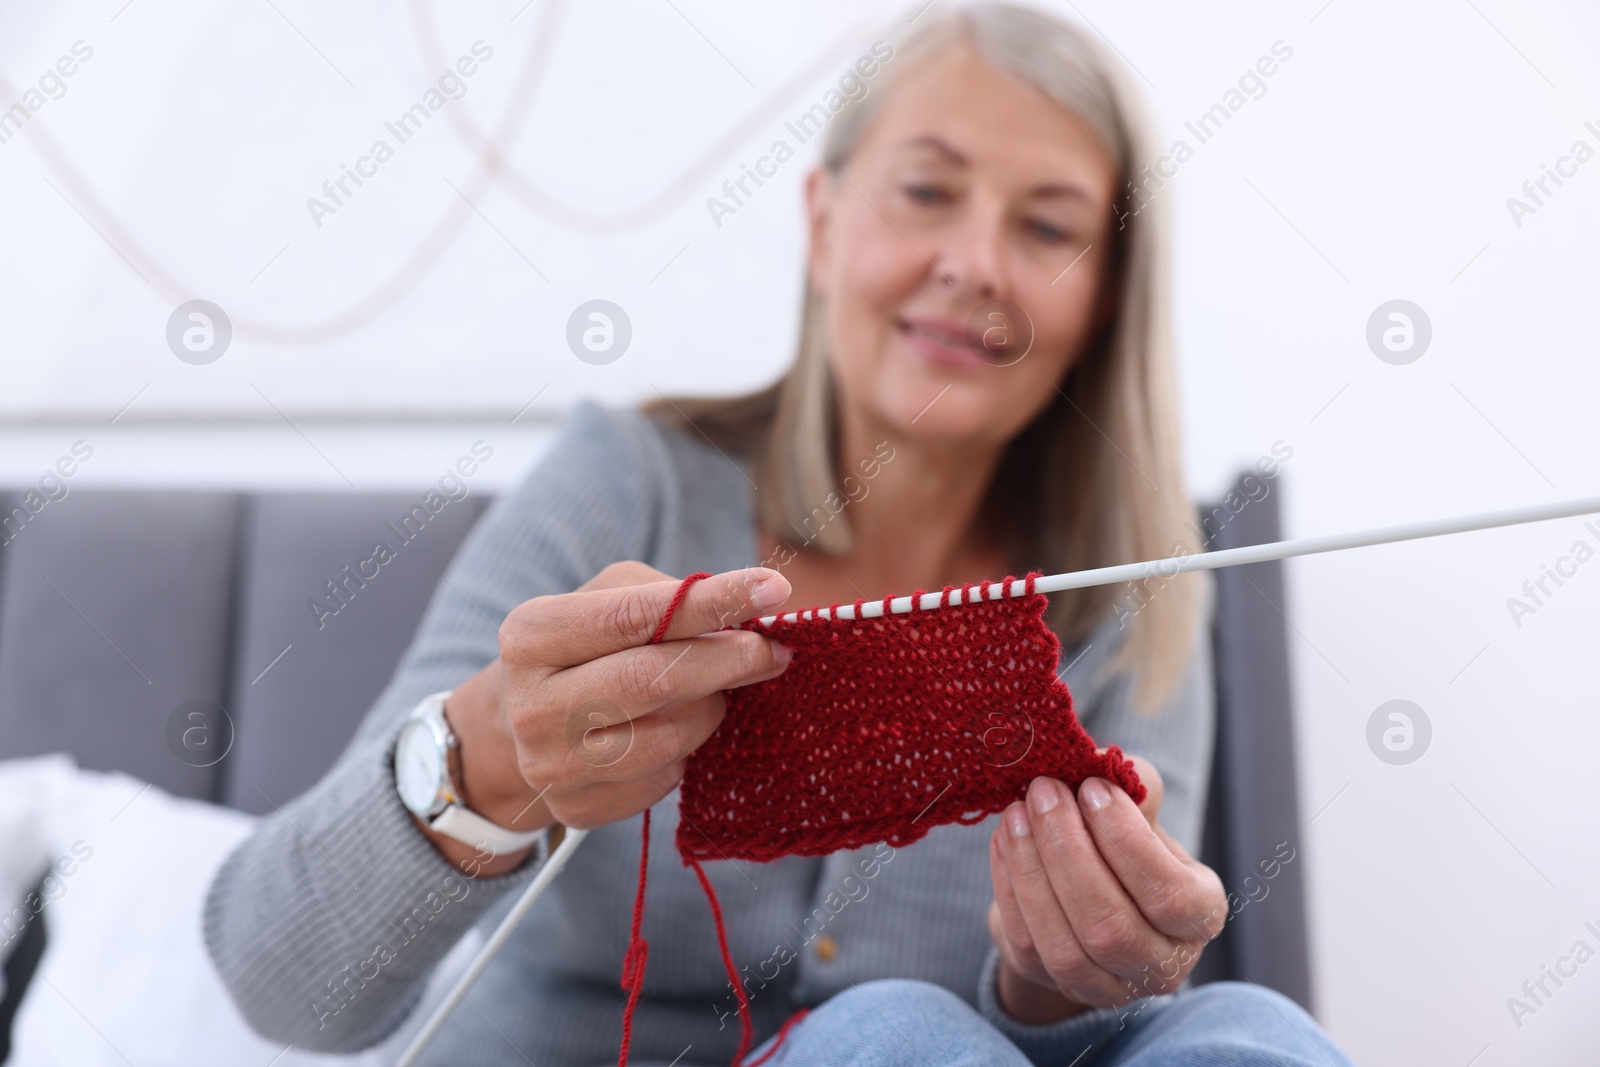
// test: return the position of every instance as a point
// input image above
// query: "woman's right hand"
(581, 721)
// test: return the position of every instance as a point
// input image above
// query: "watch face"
(417, 768)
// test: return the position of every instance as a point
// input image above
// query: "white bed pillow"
(125, 975)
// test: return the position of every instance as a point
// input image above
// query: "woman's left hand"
(1095, 904)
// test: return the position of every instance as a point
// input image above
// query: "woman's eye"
(1046, 232)
(925, 194)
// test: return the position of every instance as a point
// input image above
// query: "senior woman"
(917, 441)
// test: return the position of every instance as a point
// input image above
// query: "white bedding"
(125, 977)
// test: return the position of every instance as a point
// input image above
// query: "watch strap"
(473, 829)
(455, 820)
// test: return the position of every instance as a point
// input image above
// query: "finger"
(1174, 846)
(1007, 926)
(1171, 892)
(1068, 963)
(1105, 920)
(637, 749)
(1155, 787)
(625, 573)
(616, 576)
(599, 804)
(633, 750)
(577, 627)
(637, 681)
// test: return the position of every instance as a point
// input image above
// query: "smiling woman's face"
(969, 186)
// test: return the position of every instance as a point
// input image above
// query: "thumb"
(1154, 787)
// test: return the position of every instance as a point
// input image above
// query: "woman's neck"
(918, 522)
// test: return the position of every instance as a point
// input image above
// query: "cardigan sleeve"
(326, 921)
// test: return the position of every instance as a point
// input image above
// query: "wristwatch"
(425, 779)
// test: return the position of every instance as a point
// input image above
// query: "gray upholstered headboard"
(116, 608)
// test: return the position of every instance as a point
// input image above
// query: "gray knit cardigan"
(326, 921)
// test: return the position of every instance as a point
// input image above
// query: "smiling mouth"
(951, 345)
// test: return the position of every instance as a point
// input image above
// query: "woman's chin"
(946, 415)
(917, 401)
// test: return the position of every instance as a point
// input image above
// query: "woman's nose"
(971, 258)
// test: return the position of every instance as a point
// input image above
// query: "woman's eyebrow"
(1047, 191)
(1054, 190)
(940, 145)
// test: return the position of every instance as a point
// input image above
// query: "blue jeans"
(902, 1023)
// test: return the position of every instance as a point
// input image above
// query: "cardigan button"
(826, 948)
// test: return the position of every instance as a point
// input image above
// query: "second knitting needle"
(1228, 557)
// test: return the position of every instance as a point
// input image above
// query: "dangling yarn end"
(633, 961)
(745, 1027)
(777, 1041)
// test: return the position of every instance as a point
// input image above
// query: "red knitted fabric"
(879, 730)
(882, 729)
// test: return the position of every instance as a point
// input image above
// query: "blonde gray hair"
(1096, 478)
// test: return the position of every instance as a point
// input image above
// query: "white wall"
(1376, 166)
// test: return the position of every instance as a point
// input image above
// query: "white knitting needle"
(1210, 561)
(458, 989)
(1159, 568)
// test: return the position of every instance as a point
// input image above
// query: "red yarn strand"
(727, 962)
(777, 1043)
(677, 602)
(633, 961)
